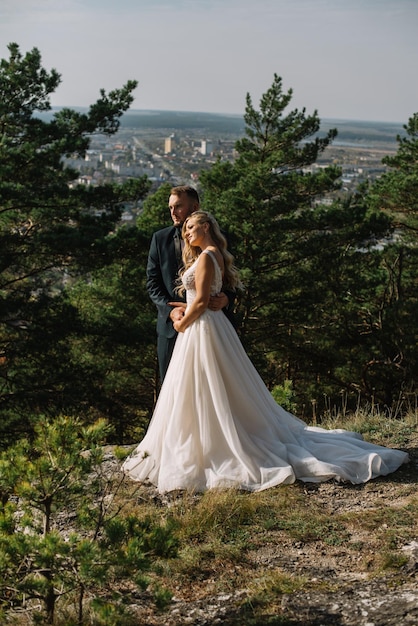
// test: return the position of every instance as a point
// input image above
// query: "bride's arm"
(203, 281)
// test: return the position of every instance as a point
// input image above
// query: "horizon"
(234, 115)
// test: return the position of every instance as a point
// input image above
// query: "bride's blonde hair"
(231, 279)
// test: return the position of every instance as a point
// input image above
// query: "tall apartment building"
(206, 147)
(170, 144)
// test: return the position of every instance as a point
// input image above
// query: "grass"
(221, 531)
(260, 548)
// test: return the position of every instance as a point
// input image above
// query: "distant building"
(170, 144)
(206, 147)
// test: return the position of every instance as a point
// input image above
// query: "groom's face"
(180, 207)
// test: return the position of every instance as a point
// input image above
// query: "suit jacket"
(164, 262)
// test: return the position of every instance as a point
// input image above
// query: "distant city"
(175, 147)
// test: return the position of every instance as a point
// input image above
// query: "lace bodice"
(188, 278)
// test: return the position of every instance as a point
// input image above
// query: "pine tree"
(264, 201)
(63, 531)
(51, 231)
(392, 372)
(300, 257)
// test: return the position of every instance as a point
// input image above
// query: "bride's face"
(195, 233)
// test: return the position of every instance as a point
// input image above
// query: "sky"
(345, 59)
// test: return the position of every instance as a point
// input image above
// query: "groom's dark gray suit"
(164, 263)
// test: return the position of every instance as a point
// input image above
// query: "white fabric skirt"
(216, 425)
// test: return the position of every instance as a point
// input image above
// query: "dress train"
(216, 425)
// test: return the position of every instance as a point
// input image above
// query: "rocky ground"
(339, 590)
(337, 586)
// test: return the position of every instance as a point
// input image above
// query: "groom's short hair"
(189, 191)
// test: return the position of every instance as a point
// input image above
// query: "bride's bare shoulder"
(218, 255)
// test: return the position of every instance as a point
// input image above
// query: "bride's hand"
(177, 327)
(177, 313)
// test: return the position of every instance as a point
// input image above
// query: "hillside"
(363, 132)
(298, 555)
(121, 554)
(349, 131)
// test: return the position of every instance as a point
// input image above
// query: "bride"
(215, 423)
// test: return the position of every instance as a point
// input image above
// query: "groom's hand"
(218, 302)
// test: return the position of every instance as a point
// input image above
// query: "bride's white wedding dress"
(216, 424)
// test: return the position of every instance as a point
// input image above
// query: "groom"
(164, 263)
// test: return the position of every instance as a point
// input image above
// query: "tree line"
(327, 313)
